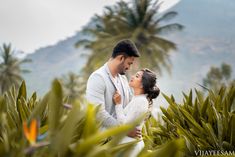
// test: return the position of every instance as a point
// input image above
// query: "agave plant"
(205, 123)
(49, 127)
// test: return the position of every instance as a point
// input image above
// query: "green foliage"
(205, 123)
(137, 20)
(61, 129)
(173, 148)
(200, 123)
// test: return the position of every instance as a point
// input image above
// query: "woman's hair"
(149, 85)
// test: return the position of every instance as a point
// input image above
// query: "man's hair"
(125, 47)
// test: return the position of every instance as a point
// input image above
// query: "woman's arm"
(136, 108)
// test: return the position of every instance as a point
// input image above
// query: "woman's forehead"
(139, 73)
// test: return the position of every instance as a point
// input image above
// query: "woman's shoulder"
(141, 100)
(141, 97)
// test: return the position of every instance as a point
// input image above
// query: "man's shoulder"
(98, 73)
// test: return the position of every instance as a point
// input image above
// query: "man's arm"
(95, 94)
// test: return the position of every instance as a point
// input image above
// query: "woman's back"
(137, 107)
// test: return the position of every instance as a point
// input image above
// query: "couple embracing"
(122, 101)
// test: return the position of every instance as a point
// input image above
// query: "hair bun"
(149, 84)
(153, 93)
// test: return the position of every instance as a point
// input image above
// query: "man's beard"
(122, 73)
(121, 69)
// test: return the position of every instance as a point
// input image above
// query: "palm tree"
(138, 21)
(73, 86)
(218, 77)
(10, 71)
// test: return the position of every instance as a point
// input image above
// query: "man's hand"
(135, 133)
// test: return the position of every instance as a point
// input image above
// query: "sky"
(31, 24)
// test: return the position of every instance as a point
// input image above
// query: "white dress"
(137, 107)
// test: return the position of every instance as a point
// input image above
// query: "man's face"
(125, 65)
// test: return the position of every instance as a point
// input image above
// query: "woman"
(145, 90)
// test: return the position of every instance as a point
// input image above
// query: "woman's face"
(136, 80)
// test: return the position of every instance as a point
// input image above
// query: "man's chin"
(122, 73)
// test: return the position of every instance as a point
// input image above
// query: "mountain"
(207, 40)
(52, 62)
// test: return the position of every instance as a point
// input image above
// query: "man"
(104, 82)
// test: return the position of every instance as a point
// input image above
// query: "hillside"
(208, 39)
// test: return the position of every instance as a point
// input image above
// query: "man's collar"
(108, 70)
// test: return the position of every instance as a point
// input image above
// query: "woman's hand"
(117, 98)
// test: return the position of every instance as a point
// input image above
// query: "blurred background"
(189, 44)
